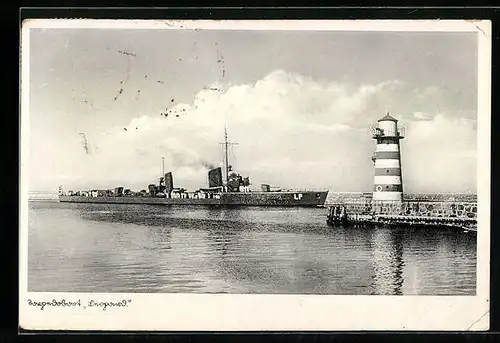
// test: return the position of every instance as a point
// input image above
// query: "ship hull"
(280, 199)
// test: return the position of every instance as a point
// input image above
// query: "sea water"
(196, 249)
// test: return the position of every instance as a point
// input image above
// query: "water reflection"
(387, 250)
(221, 239)
(439, 260)
(130, 248)
(222, 214)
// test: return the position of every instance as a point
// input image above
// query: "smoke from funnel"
(186, 158)
(208, 165)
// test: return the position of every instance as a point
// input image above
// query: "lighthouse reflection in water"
(387, 262)
(189, 249)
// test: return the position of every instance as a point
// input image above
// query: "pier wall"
(352, 209)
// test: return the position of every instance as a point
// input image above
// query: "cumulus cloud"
(421, 116)
(440, 155)
(292, 131)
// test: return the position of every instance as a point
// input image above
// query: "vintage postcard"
(255, 175)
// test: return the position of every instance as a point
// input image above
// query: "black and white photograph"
(303, 162)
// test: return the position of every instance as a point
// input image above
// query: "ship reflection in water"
(142, 248)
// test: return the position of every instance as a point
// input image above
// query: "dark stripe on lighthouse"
(387, 155)
(389, 188)
(388, 140)
(388, 171)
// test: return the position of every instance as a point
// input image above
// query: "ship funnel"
(169, 182)
(215, 177)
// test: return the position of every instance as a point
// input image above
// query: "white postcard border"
(220, 312)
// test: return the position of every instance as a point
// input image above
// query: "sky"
(298, 103)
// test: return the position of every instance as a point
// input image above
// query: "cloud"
(421, 116)
(440, 155)
(291, 130)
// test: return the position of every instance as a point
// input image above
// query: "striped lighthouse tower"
(388, 183)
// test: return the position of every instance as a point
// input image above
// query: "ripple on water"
(109, 248)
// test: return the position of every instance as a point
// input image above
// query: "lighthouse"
(388, 183)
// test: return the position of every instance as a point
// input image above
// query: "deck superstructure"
(226, 188)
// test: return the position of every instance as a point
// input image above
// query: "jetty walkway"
(456, 212)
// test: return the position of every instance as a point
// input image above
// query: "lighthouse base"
(387, 196)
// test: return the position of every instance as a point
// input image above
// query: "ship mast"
(163, 166)
(226, 152)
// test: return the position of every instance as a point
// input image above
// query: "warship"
(231, 190)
